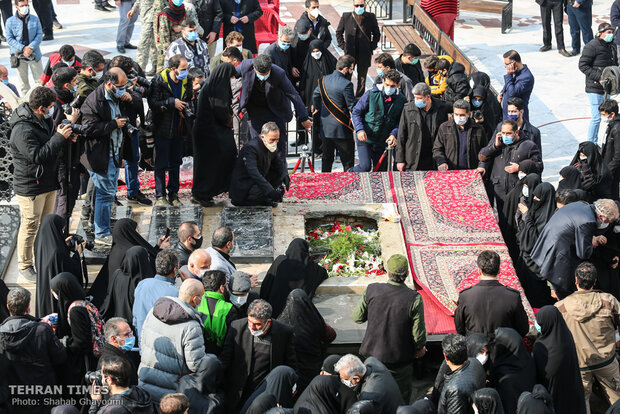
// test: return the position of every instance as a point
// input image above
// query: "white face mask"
(583, 158)
(471, 83)
(202, 272)
(348, 383)
(240, 48)
(475, 408)
(314, 13)
(271, 146)
(601, 224)
(238, 300)
(24, 10)
(521, 175)
(294, 388)
(316, 55)
(460, 120)
(482, 358)
(526, 191)
(260, 332)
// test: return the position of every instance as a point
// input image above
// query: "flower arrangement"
(348, 251)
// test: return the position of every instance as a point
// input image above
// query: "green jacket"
(215, 325)
(379, 124)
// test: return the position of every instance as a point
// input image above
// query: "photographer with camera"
(132, 106)
(122, 398)
(35, 148)
(107, 144)
(170, 94)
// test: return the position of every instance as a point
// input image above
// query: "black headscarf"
(329, 362)
(475, 343)
(278, 383)
(320, 397)
(219, 92)
(512, 368)
(511, 206)
(419, 407)
(52, 256)
(538, 216)
(536, 402)
(363, 407)
(310, 336)
(482, 79)
(293, 270)
(261, 404)
(68, 289)
(201, 387)
(124, 236)
(571, 179)
(120, 298)
(315, 69)
(600, 181)
(556, 362)
(174, 13)
(488, 401)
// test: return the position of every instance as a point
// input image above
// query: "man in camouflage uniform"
(165, 32)
(146, 47)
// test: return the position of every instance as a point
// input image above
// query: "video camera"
(77, 239)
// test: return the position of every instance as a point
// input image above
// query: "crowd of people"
(175, 328)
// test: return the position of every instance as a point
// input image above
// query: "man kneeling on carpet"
(260, 175)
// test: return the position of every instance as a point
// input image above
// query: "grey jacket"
(172, 345)
(219, 262)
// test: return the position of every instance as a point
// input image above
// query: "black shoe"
(139, 199)
(545, 48)
(203, 203)
(174, 200)
(48, 37)
(116, 202)
(130, 46)
(101, 8)
(109, 6)
(564, 53)
(121, 49)
(575, 52)
(57, 24)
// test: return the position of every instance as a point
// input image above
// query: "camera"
(188, 114)
(144, 82)
(76, 103)
(93, 376)
(89, 245)
(478, 115)
(75, 128)
(131, 129)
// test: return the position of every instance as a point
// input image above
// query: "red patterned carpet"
(446, 221)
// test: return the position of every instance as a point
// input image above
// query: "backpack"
(96, 325)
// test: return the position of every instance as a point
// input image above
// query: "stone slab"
(100, 253)
(9, 226)
(163, 217)
(253, 228)
(337, 310)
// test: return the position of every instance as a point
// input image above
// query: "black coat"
(321, 31)
(359, 43)
(253, 164)
(527, 131)
(413, 72)
(378, 385)
(182, 252)
(161, 102)
(250, 8)
(35, 149)
(409, 142)
(340, 91)
(611, 148)
(595, 57)
(282, 58)
(236, 356)
(502, 156)
(210, 16)
(487, 306)
(446, 147)
(459, 386)
(458, 83)
(97, 117)
(110, 351)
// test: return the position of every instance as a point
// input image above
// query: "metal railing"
(381, 8)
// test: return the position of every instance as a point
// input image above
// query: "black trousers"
(362, 71)
(256, 196)
(558, 17)
(5, 9)
(346, 150)
(42, 7)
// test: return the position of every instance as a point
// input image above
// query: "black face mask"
(197, 242)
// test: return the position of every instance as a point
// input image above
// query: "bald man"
(101, 114)
(198, 263)
(172, 344)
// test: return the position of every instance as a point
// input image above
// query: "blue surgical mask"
(389, 91)
(119, 92)
(192, 36)
(48, 115)
(359, 11)
(507, 140)
(182, 74)
(5, 81)
(303, 36)
(263, 77)
(380, 72)
(420, 104)
(609, 37)
(177, 3)
(476, 104)
(74, 89)
(284, 45)
(414, 61)
(129, 343)
(513, 117)
(537, 326)
(69, 63)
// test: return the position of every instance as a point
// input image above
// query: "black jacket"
(110, 351)
(378, 385)
(183, 253)
(611, 148)
(236, 356)
(446, 147)
(135, 401)
(35, 149)
(413, 72)
(501, 157)
(253, 164)
(458, 387)
(32, 349)
(527, 131)
(161, 102)
(321, 31)
(210, 17)
(355, 42)
(489, 305)
(595, 57)
(250, 8)
(97, 117)
(409, 142)
(458, 83)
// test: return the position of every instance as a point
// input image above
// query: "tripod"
(303, 158)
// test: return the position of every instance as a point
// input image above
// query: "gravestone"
(9, 225)
(100, 253)
(253, 228)
(164, 217)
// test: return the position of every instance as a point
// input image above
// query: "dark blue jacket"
(521, 84)
(340, 91)
(278, 89)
